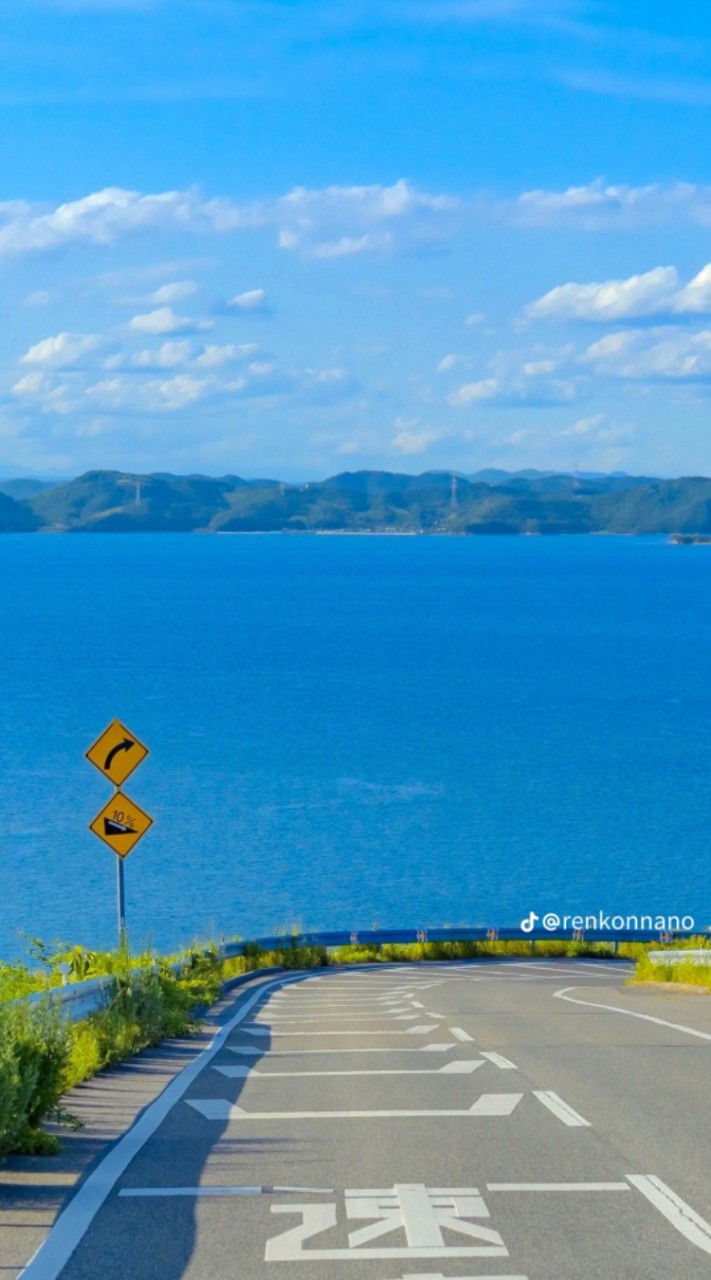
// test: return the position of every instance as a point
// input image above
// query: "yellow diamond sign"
(121, 824)
(117, 752)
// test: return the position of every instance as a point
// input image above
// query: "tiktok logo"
(529, 921)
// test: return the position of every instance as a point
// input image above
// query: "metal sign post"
(121, 823)
(121, 901)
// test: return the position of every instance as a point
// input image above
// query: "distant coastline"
(435, 503)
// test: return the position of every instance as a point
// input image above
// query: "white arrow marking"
(415, 1031)
(489, 1104)
(298, 1053)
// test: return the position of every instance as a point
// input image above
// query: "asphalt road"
(412, 1123)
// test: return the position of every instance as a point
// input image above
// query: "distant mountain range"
(490, 501)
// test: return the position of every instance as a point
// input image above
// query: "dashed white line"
(687, 1222)
(560, 1108)
(499, 1061)
(557, 1186)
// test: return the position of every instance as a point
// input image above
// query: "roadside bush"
(34, 1052)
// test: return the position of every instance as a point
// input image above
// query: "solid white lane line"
(450, 1068)
(414, 1031)
(675, 1210)
(489, 1104)
(557, 1186)
(499, 1061)
(72, 1224)
(132, 1192)
(560, 1108)
(630, 1013)
(298, 1053)
(460, 1034)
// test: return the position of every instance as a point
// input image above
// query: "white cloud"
(181, 391)
(640, 295)
(412, 438)
(643, 354)
(539, 368)
(164, 320)
(167, 356)
(599, 429)
(600, 205)
(329, 222)
(173, 292)
(476, 317)
(40, 298)
(654, 293)
(252, 300)
(695, 297)
(335, 222)
(472, 392)
(105, 217)
(349, 246)
(62, 350)
(214, 355)
(447, 363)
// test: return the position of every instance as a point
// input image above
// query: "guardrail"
(80, 999)
(681, 957)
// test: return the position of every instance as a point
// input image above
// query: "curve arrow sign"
(126, 745)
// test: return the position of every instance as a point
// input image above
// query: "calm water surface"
(354, 730)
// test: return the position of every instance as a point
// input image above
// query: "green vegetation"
(42, 1055)
(362, 502)
(690, 973)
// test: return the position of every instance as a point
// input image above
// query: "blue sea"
(349, 731)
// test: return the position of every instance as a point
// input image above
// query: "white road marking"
(687, 1222)
(277, 1019)
(460, 1034)
(560, 1108)
(500, 1061)
(489, 1104)
(450, 1068)
(414, 1031)
(298, 1053)
(132, 1192)
(557, 1186)
(417, 1004)
(72, 1224)
(630, 1013)
(430, 1275)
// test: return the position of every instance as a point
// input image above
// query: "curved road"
(524, 1120)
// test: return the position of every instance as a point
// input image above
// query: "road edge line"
(52, 1255)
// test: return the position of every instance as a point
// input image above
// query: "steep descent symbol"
(112, 828)
(117, 752)
(121, 824)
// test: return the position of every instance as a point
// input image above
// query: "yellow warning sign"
(116, 753)
(121, 824)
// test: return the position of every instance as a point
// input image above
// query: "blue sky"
(293, 237)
